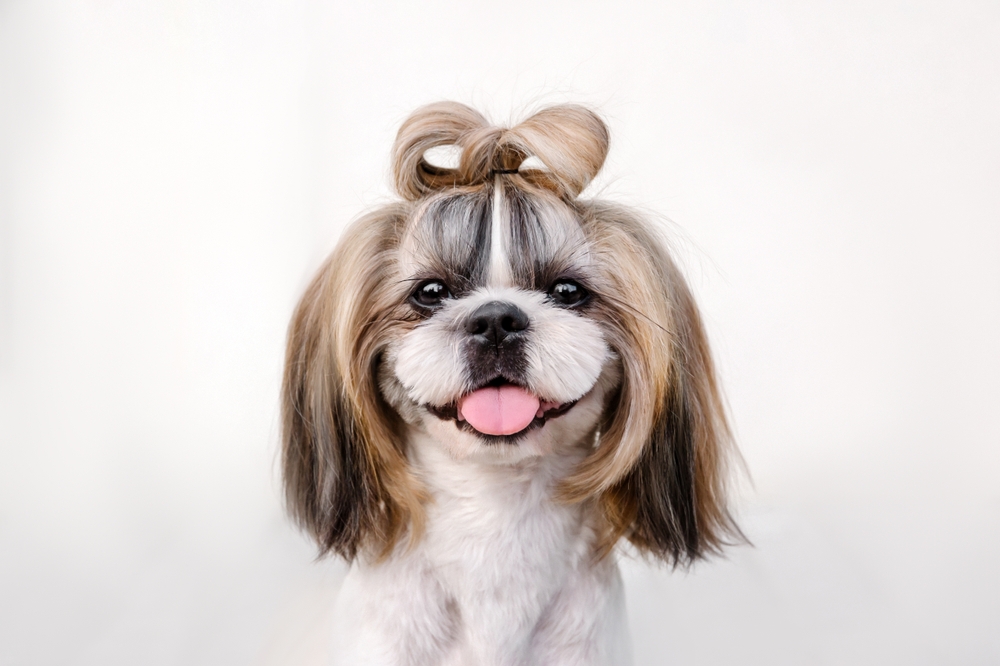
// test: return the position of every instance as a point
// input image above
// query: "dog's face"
(501, 354)
(506, 318)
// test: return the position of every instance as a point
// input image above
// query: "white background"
(171, 173)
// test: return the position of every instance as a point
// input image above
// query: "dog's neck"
(483, 502)
(531, 481)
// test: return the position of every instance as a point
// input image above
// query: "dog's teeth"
(459, 417)
(540, 413)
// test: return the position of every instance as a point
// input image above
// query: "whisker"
(635, 312)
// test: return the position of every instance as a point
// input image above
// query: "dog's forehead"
(497, 236)
(542, 238)
(448, 237)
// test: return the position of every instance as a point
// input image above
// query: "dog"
(488, 386)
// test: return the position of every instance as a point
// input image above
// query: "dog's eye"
(568, 293)
(430, 294)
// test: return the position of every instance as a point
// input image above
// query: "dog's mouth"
(500, 409)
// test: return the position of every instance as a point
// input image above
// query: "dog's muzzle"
(497, 333)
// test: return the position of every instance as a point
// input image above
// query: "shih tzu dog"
(488, 385)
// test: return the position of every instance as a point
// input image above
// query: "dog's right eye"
(430, 294)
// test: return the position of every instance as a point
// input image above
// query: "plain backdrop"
(172, 172)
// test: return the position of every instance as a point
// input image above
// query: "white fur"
(504, 576)
(499, 266)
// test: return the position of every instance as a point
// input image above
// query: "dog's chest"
(507, 547)
(502, 551)
(503, 575)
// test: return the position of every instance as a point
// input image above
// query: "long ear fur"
(660, 465)
(346, 481)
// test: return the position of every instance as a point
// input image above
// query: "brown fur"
(346, 478)
(660, 464)
(570, 140)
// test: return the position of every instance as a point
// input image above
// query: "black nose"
(495, 321)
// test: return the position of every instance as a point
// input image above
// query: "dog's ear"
(676, 488)
(346, 482)
(660, 467)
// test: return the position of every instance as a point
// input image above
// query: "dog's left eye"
(430, 294)
(568, 293)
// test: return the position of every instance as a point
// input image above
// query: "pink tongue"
(500, 410)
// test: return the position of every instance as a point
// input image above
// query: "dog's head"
(505, 319)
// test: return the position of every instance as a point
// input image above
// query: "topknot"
(570, 141)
